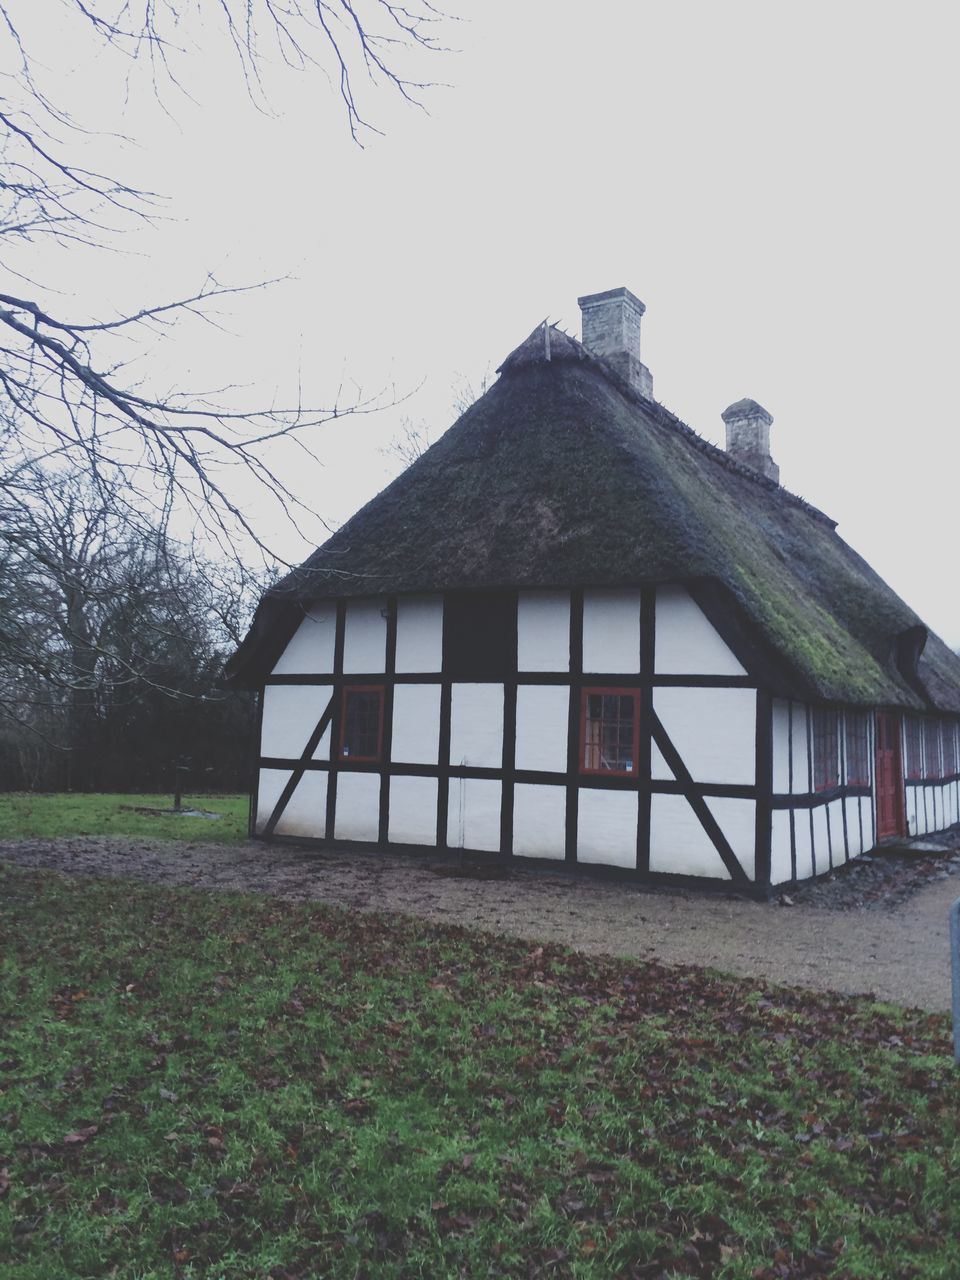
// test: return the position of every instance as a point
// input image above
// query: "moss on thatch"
(562, 476)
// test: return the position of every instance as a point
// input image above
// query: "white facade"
(722, 782)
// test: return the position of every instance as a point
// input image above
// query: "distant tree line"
(112, 638)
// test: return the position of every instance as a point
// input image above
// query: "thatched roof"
(561, 475)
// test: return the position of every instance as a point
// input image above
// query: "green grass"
(25, 815)
(209, 1085)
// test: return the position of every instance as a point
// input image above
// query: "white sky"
(776, 182)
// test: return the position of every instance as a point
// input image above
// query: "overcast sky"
(777, 183)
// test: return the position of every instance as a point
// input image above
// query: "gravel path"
(880, 927)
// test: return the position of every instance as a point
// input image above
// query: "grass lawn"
(26, 814)
(198, 1084)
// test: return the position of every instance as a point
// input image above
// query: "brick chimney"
(748, 437)
(611, 329)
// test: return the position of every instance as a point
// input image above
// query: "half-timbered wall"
(932, 775)
(816, 828)
(482, 723)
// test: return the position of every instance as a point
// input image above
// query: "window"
(857, 746)
(931, 748)
(914, 749)
(949, 749)
(826, 762)
(610, 731)
(361, 730)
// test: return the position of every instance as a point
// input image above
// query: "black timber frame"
(652, 730)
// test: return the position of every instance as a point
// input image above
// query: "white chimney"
(748, 437)
(611, 329)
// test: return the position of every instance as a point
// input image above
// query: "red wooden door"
(889, 776)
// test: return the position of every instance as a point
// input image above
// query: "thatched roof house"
(568, 487)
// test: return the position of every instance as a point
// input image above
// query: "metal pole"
(955, 965)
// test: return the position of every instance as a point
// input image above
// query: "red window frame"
(361, 688)
(825, 730)
(931, 747)
(856, 744)
(913, 748)
(600, 771)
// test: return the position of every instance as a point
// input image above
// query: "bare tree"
(102, 619)
(70, 401)
(65, 394)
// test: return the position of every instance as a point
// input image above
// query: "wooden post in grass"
(179, 769)
(955, 967)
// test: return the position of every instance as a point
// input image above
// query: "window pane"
(825, 757)
(931, 748)
(857, 748)
(609, 732)
(948, 735)
(914, 748)
(361, 724)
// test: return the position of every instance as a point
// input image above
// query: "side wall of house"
(483, 708)
(817, 827)
(931, 754)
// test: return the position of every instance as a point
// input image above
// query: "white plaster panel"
(780, 864)
(607, 827)
(737, 819)
(801, 836)
(542, 727)
(686, 642)
(781, 747)
(911, 810)
(714, 730)
(305, 813)
(357, 814)
(473, 814)
(310, 648)
(821, 843)
(539, 821)
(660, 771)
(271, 783)
(801, 760)
(476, 725)
(291, 712)
(678, 843)
(611, 631)
(413, 811)
(867, 818)
(416, 724)
(836, 832)
(852, 806)
(419, 633)
(543, 631)
(365, 636)
(922, 802)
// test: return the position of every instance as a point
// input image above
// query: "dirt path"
(900, 953)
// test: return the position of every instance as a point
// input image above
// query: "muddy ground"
(879, 926)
